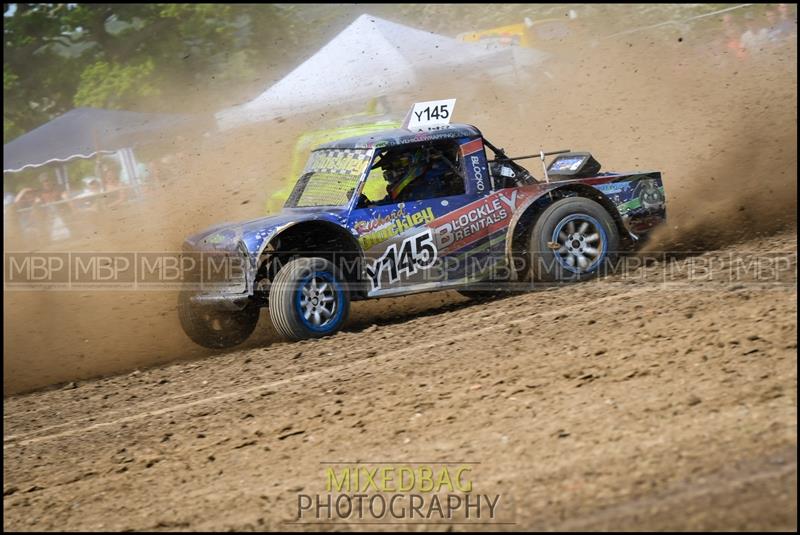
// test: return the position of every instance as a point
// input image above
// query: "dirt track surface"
(654, 402)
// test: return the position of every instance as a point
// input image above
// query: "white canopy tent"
(369, 58)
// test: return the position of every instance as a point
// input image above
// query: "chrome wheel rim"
(317, 301)
(581, 243)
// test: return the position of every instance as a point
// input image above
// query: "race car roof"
(401, 136)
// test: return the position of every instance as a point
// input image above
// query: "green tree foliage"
(104, 84)
(126, 56)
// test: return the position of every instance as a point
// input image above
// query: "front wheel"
(214, 328)
(573, 239)
(308, 299)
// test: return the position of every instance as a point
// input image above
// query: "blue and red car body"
(487, 223)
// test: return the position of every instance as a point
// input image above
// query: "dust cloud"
(721, 129)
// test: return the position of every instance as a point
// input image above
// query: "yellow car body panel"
(309, 140)
(539, 34)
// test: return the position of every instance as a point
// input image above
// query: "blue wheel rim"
(583, 243)
(319, 302)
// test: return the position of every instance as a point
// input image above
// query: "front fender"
(321, 238)
(275, 236)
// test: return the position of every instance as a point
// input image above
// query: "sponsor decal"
(216, 238)
(471, 147)
(612, 187)
(469, 152)
(651, 195)
(368, 225)
(423, 136)
(465, 225)
(338, 162)
(394, 226)
(476, 170)
(405, 259)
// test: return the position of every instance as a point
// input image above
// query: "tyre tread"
(578, 203)
(281, 299)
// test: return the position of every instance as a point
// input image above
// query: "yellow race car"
(367, 122)
(529, 33)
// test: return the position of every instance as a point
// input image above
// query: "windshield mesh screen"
(329, 177)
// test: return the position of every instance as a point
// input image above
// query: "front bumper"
(220, 301)
(221, 278)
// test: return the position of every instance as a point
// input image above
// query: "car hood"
(254, 234)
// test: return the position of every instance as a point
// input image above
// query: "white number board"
(430, 115)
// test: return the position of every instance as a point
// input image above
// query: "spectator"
(54, 211)
(733, 37)
(26, 198)
(28, 216)
(786, 28)
(51, 191)
(115, 194)
(754, 38)
(107, 174)
(88, 199)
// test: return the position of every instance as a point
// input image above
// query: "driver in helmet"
(403, 173)
(418, 174)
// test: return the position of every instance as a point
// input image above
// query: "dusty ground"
(653, 402)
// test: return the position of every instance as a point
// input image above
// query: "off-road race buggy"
(477, 224)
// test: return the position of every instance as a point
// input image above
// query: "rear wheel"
(308, 299)
(573, 239)
(214, 328)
